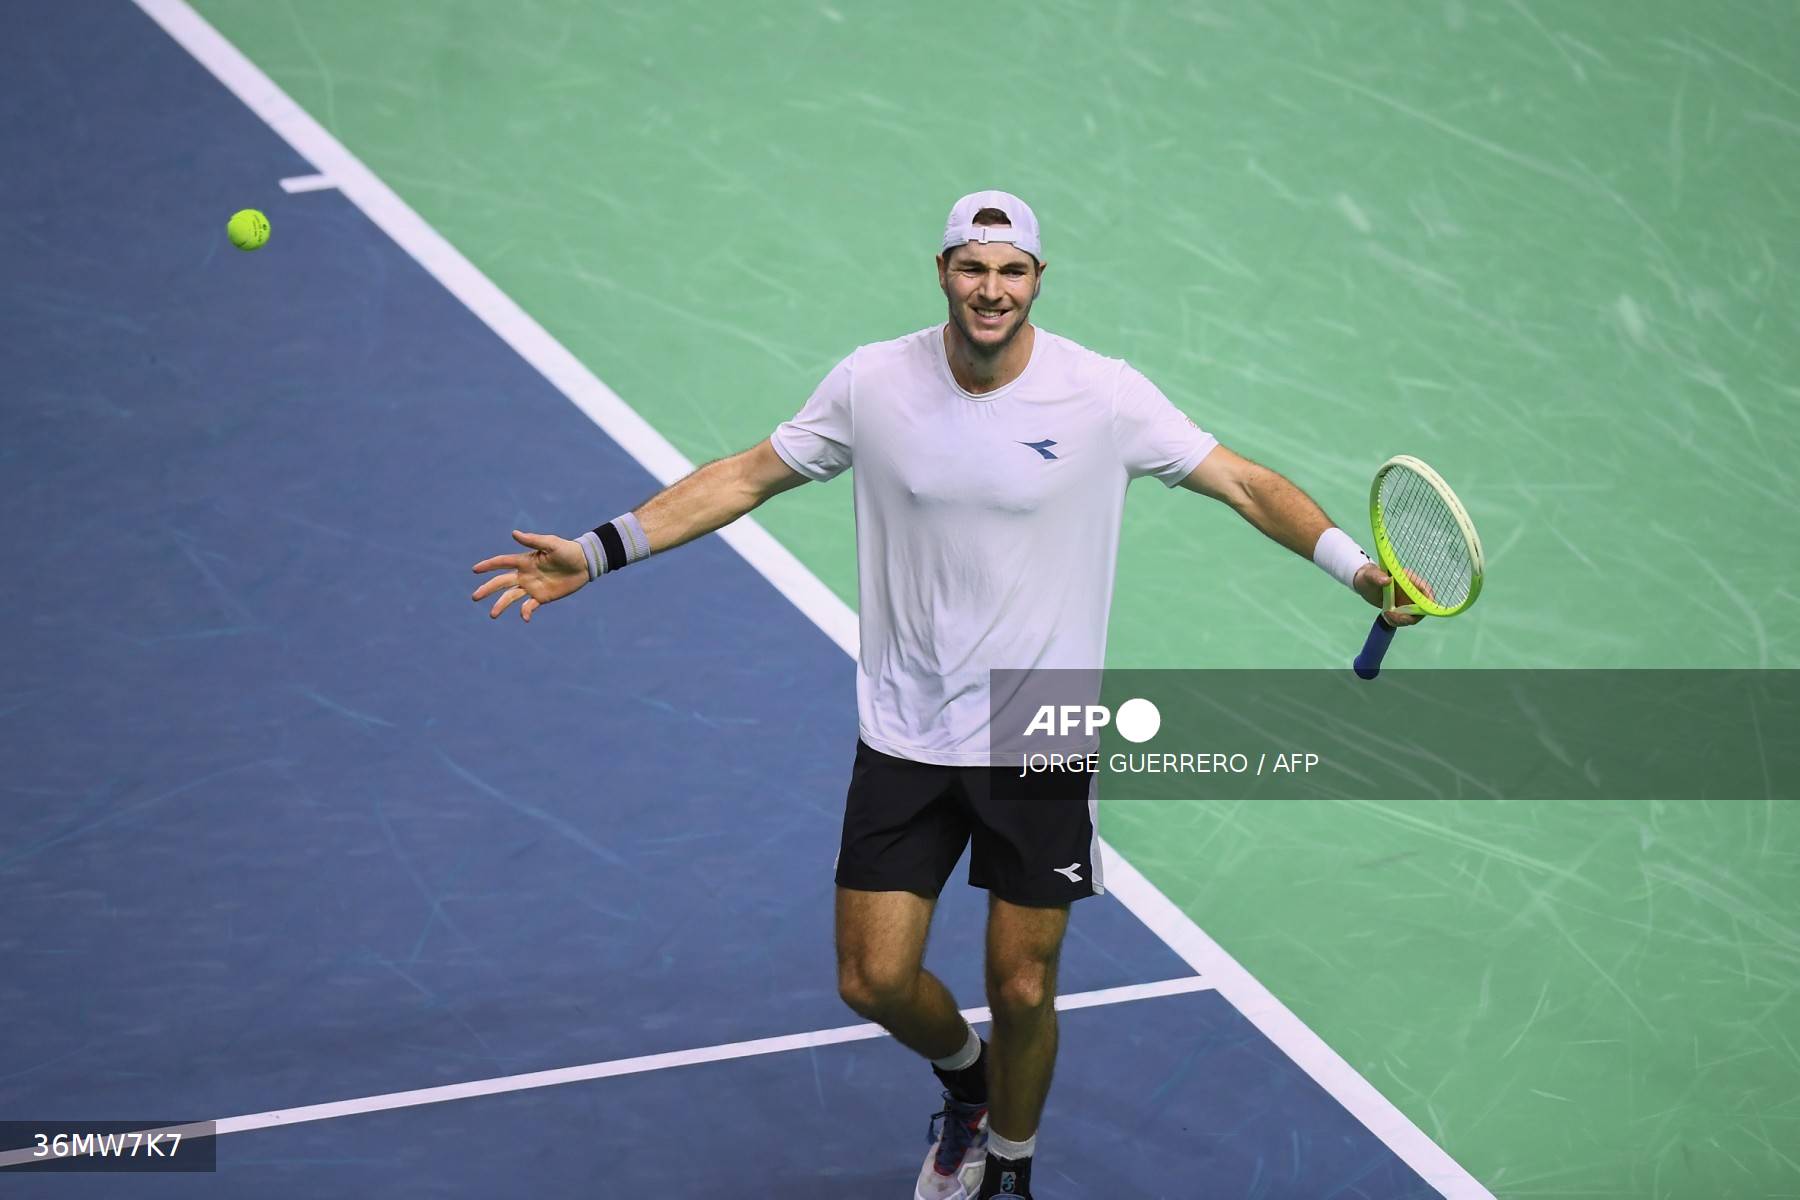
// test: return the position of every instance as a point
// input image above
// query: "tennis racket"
(1426, 544)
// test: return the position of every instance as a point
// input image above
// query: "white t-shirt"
(987, 527)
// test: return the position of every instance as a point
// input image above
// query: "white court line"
(307, 183)
(620, 1066)
(776, 564)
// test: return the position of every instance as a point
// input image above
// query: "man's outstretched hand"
(554, 568)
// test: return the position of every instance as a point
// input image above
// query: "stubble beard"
(993, 350)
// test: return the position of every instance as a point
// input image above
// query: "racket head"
(1422, 528)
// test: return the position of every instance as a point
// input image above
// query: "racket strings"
(1425, 535)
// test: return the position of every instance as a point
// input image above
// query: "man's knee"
(873, 988)
(1021, 990)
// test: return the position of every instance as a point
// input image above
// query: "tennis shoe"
(958, 1155)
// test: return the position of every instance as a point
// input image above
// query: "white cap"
(961, 229)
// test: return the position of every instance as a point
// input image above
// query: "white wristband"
(1338, 555)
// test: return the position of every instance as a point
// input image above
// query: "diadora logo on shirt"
(1042, 447)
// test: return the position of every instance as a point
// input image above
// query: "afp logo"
(1137, 720)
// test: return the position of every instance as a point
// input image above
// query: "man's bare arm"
(1282, 512)
(1268, 501)
(707, 499)
(714, 496)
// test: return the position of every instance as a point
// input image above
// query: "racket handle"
(1368, 663)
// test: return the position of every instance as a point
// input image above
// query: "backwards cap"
(1022, 230)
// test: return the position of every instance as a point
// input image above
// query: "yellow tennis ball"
(247, 229)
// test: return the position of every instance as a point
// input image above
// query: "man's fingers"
(500, 562)
(505, 600)
(490, 586)
(540, 567)
(1398, 617)
(1403, 613)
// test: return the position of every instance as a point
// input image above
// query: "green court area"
(1551, 249)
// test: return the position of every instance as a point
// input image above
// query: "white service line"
(775, 563)
(619, 1066)
(307, 183)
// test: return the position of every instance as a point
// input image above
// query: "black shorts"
(906, 823)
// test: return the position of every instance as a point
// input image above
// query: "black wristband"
(612, 546)
(618, 543)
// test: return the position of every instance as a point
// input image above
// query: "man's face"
(990, 289)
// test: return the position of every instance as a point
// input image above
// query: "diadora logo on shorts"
(1072, 872)
(1042, 447)
(1137, 720)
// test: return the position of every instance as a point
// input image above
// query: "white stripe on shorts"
(1094, 856)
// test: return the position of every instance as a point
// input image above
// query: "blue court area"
(289, 821)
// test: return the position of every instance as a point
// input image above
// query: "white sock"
(1012, 1151)
(962, 1058)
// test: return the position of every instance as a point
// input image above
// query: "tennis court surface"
(413, 903)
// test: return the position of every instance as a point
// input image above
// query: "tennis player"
(991, 463)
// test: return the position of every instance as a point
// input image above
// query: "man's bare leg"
(1024, 946)
(881, 951)
(881, 974)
